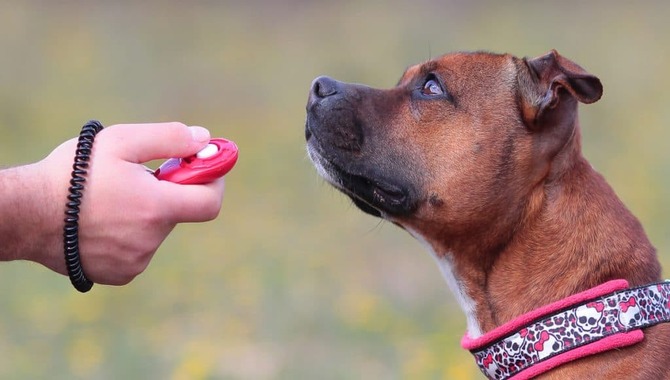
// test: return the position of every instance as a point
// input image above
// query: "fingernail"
(200, 134)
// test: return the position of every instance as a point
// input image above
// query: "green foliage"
(291, 281)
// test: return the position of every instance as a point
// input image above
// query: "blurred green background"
(291, 281)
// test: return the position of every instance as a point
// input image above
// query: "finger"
(193, 203)
(140, 143)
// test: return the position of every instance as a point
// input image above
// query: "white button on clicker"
(207, 151)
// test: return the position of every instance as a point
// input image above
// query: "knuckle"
(152, 214)
(124, 280)
(211, 214)
(212, 209)
(176, 126)
(136, 263)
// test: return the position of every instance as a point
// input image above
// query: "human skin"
(126, 212)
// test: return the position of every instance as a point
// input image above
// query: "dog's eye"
(432, 87)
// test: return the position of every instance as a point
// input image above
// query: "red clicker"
(212, 162)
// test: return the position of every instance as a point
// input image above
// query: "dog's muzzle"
(335, 135)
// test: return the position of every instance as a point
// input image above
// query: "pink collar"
(602, 318)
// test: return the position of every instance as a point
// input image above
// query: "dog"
(478, 156)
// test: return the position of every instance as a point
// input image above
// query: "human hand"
(126, 213)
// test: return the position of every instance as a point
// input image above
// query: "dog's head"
(458, 143)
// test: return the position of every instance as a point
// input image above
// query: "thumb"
(140, 143)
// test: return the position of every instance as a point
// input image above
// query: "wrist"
(31, 224)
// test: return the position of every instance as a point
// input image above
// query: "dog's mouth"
(372, 196)
(369, 191)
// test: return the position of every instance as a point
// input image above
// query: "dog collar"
(602, 318)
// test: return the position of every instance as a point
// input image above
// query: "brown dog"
(478, 155)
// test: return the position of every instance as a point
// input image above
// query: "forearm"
(30, 224)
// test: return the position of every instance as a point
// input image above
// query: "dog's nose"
(323, 87)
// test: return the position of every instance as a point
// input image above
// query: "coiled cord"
(71, 228)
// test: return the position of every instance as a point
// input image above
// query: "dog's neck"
(557, 248)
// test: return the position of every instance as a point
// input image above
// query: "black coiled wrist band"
(71, 228)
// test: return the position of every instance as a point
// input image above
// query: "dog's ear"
(549, 86)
